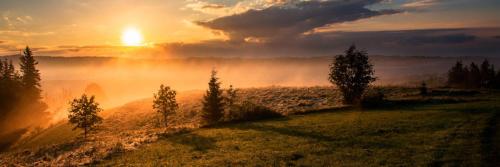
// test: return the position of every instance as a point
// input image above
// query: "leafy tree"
(352, 73)
(83, 113)
(164, 102)
(213, 104)
(30, 75)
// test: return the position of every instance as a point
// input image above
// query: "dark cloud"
(431, 42)
(290, 20)
(439, 39)
(497, 36)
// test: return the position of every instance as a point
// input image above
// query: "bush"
(374, 98)
(247, 111)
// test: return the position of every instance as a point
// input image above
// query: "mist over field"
(116, 81)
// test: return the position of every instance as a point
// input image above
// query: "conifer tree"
(30, 76)
(213, 105)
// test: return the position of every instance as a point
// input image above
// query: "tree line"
(474, 76)
(20, 93)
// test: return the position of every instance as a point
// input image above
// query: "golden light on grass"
(131, 36)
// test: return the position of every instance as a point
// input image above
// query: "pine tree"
(213, 105)
(30, 76)
(231, 96)
(83, 113)
(351, 73)
(165, 103)
(456, 75)
(474, 76)
(487, 74)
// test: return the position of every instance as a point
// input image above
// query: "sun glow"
(132, 37)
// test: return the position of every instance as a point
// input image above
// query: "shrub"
(374, 98)
(351, 73)
(248, 111)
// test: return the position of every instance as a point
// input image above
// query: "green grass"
(58, 134)
(458, 134)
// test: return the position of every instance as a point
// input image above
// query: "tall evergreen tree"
(213, 101)
(351, 73)
(487, 74)
(456, 77)
(474, 76)
(30, 75)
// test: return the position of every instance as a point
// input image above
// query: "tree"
(30, 76)
(164, 102)
(231, 95)
(351, 73)
(487, 74)
(473, 76)
(456, 76)
(213, 105)
(423, 89)
(83, 113)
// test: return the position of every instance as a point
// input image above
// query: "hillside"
(452, 129)
(439, 132)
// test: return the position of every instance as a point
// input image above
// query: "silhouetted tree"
(496, 82)
(473, 76)
(83, 113)
(487, 74)
(456, 75)
(30, 75)
(165, 103)
(351, 73)
(231, 95)
(9, 89)
(423, 89)
(213, 105)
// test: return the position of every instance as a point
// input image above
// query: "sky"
(250, 28)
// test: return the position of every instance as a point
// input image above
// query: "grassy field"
(444, 129)
(430, 133)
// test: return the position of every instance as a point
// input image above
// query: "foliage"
(30, 75)
(351, 73)
(473, 76)
(231, 95)
(165, 103)
(247, 111)
(373, 98)
(83, 113)
(20, 94)
(213, 101)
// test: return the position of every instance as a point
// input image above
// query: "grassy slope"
(439, 134)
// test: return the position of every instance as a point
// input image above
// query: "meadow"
(450, 128)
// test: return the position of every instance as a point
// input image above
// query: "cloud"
(212, 6)
(429, 42)
(291, 20)
(439, 39)
(24, 33)
(420, 3)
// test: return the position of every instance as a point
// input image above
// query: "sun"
(132, 37)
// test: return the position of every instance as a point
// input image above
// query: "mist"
(116, 81)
